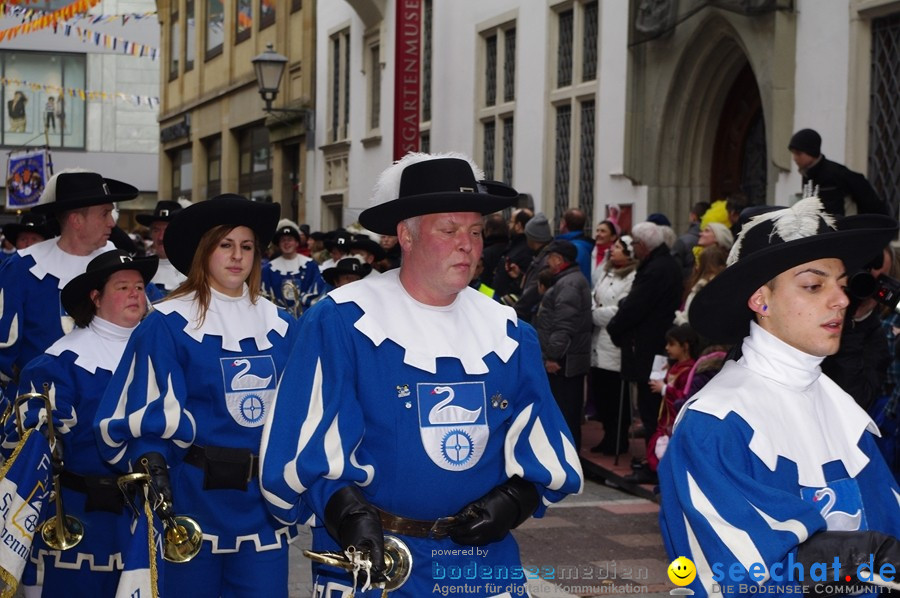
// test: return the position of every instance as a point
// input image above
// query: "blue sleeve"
(313, 284)
(313, 459)
(55, 373)
(11, 313)
(143, 409)
(539, 446)
(718, 512)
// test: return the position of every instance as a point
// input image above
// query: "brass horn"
(59, 531)
(397, 563)
(182, 536)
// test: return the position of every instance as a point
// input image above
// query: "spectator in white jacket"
(612, 406)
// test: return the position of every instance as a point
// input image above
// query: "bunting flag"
(49, 19)
(102, 96)
(110, 42)
(8, 9)
(141, 556)
(24, 490)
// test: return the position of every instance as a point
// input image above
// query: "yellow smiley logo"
(682, 571)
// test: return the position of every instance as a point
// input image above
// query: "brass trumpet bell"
(61, 531)
(183, 539)
(398, 562)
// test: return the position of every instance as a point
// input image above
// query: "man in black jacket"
(836, 182)
(645, 314)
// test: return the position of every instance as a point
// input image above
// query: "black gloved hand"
(155, 464)
(352, 521)
(852, 550)
(490, 518)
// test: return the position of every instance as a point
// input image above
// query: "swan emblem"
(836, 520)
(244, 381)
(444, 413)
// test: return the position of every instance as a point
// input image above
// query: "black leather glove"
(155, 465)
(852, 550)
(490, 518)
(352, 521)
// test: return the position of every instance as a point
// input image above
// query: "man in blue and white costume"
(31, 316)
(772, 468)
(107, 302)
(416, 406)
(167, 276)
(291, 280)
(195, 385)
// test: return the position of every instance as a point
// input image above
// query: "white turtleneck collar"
(426, 332)
(232, 319)
(50, 259)
(100, 345)
(167, 275)
(795, 411)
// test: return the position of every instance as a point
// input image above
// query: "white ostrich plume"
(796, 222)
(387, 187)
(287, 223)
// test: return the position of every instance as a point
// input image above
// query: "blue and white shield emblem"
(840, 504)
(250, 384)
(453, 423)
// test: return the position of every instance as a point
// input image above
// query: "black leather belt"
(417, 528)
(224, 467)
(102, 492)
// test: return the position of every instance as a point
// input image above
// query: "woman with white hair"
(639, 327)
(716, 233)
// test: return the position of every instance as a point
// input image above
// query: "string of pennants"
(149, 101)
(49, 19)
(111, 42)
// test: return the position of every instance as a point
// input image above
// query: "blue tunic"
(31, 315)
(423, 430)
(179, 384)
(770, 452)
(76, 370)
(280, 277)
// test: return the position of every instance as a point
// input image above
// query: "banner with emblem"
(26, 173)
(141, 555)
(24, 490)
(250, 384)
(453, 423)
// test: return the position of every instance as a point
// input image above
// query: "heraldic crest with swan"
(250, 384)
(453, 423)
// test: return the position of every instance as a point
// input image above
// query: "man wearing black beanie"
(836, 182)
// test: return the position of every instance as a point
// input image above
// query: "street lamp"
(269, 67)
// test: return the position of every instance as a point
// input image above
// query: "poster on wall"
(26, 173)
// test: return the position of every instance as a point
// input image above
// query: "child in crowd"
(682, 349)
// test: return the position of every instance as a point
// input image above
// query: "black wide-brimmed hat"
(30, 222)
(72, 190)
(190, 224)
(339, 239)
(164, 211)
(774, 242)
(77, 292)
(347, 265)
(366, 243)
(421, 184)
(286, 227)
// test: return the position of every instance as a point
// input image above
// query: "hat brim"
(720, 313)
(77, 291)
(384, 218)
(190, 224)
(371, 246)
(330, 274)
(13, 230)
(118, 191)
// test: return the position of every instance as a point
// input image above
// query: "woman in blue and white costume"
(192, 392)
(107, 302)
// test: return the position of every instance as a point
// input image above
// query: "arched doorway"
(739, 152)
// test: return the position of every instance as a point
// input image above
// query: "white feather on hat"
(387, 187)
(287, 223)
(795, 222)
